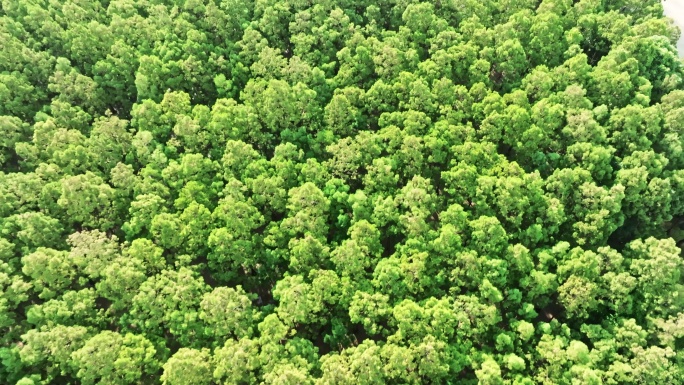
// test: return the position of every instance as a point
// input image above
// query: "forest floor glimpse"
(674, 9)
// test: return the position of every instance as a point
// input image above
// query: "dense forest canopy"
(200, 192)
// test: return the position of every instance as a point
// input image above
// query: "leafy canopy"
(340, 192)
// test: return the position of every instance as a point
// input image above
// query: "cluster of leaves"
(294, 192)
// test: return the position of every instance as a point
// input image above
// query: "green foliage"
(109, 358)
(285, 192)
